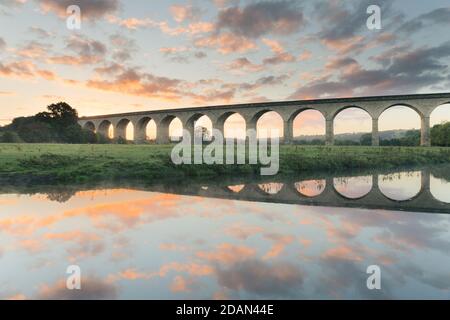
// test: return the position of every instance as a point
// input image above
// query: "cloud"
(34, 50)
(85, 51)
(182, 13)
(41, 33)
(131, 81)
(226, 43)
(440, 16)
(2, 44)
(12, 3)
(408, 71)
(25, 69)
(181, 54)
(123, 47)
(193, 28)
(342, 23)
(244, 65)
(257, 19)
(90, 9)
(281, 56)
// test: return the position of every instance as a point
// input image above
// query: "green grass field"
(64, 163)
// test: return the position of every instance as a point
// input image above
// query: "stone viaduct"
(423, 104)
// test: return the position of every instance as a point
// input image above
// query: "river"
(308, 238)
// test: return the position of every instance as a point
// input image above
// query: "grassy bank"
(84, 163)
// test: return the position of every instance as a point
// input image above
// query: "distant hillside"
(384, 135)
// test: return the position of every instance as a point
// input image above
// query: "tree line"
(59, 124)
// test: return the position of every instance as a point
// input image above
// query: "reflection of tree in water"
(61, 196)
(441, 173)
(271, 188)
(306, 188)
(400, 175)
(346, 181)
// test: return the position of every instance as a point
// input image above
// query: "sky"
(149, 55)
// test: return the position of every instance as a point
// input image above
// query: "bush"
(11, 137)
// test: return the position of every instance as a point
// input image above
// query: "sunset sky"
(147, 55)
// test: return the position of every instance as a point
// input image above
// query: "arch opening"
(147, 129)
(309, 127)
(353, 126)
(125, 130)
(175, 129)
(400, 133)
(269, 124)
(106, 129)
(89, 126)
(203, 127)
(234, 126)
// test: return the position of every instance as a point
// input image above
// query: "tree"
(440, 135)
(60, 116)
(35, 132)
(11, 137)
(366, 139)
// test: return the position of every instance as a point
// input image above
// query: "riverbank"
(58, 163)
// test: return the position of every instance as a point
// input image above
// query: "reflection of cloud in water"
(400, 186)
(149, 242)
(280, 279)
(353, 187)
(310, 188)
(237, 188)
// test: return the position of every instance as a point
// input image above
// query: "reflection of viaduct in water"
(424, 201)
(423, 104)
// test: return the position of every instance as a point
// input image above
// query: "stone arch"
(422, 121)
(89, 126)
(343, 108)
(140, 130)
(121, 128)
(104, 128)
(298, 113)
(370, 133)
(193, 119)
(400, 104)
(222, 120)
(253, 123)
(163, 133)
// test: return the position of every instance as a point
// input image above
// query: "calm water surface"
(133, 244)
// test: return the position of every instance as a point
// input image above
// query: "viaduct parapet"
(423, 104)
